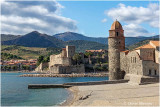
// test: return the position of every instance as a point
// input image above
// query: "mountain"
(67, 36)
(36, 39)
(5, 37)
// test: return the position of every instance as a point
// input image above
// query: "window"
(131, 59)
(149, 72)
(155, 72)
(117, 33)
(135, 59)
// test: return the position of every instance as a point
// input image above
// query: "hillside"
(36, 39)
(6, 37)
(68, 36)
(28, 52)
(140, 43)
(82, 45)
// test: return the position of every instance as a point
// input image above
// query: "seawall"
(66, 75)
(67, 85)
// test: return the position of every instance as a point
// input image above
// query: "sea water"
(15, 92)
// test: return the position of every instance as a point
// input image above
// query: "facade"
(142, 61)
(63, 63)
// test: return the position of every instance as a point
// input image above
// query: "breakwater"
(66, 75)
(67, 85)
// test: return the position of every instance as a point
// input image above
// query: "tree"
(14, 67)
(95, 67)
(88, 54)
(40, 59)
(77, 58)
(46, 59)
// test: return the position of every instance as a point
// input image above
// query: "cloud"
(104, 20)
(134, 30)
(20, 17)
(134, 16)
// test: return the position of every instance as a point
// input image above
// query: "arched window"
(117, 33)
(149, 72)
(155, 72)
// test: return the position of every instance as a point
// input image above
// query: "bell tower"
(116, 43)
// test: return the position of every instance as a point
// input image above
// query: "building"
(140, 62)
(14, 65)
(143, 60)
(116, 44)
(62, 63)
(97, 52)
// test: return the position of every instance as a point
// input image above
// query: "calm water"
(15, 92)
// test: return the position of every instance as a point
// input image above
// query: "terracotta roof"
(126, 52)
(95, 50)
(156, 43)
(145, 46)
(116, 25)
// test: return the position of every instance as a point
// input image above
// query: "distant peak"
(34, 32)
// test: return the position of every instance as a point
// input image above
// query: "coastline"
(17, 72)
(73, 94)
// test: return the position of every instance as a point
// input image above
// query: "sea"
(15, 92)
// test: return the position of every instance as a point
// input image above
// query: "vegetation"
(88, 54)
(82, 45)
(100, 67)
(28, 52)
(77, 58)
(42, 59)
(5, 37)
(7, 56)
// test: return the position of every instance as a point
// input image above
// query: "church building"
(142, 61)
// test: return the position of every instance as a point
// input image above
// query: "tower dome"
(116, 25)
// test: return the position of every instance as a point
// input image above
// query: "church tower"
(116, 43)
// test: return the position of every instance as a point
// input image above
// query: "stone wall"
(61, 69)
(114, 58)
(150, 66)
(132, 64)
(42, 66)
(70, 51)
(140, 80)
(147, 54)
(157, 57)
(58, 59)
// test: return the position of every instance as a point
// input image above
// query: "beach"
(123, 94)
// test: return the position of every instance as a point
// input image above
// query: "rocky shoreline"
(66, 75)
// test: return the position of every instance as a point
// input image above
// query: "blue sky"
(91, 18)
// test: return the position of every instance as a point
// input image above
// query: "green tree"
(14, 67)
(77, 58)
(88, 54)
(40, 59)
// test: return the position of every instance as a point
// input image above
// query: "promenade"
(123, 94)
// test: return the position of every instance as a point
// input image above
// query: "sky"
(91, 18)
